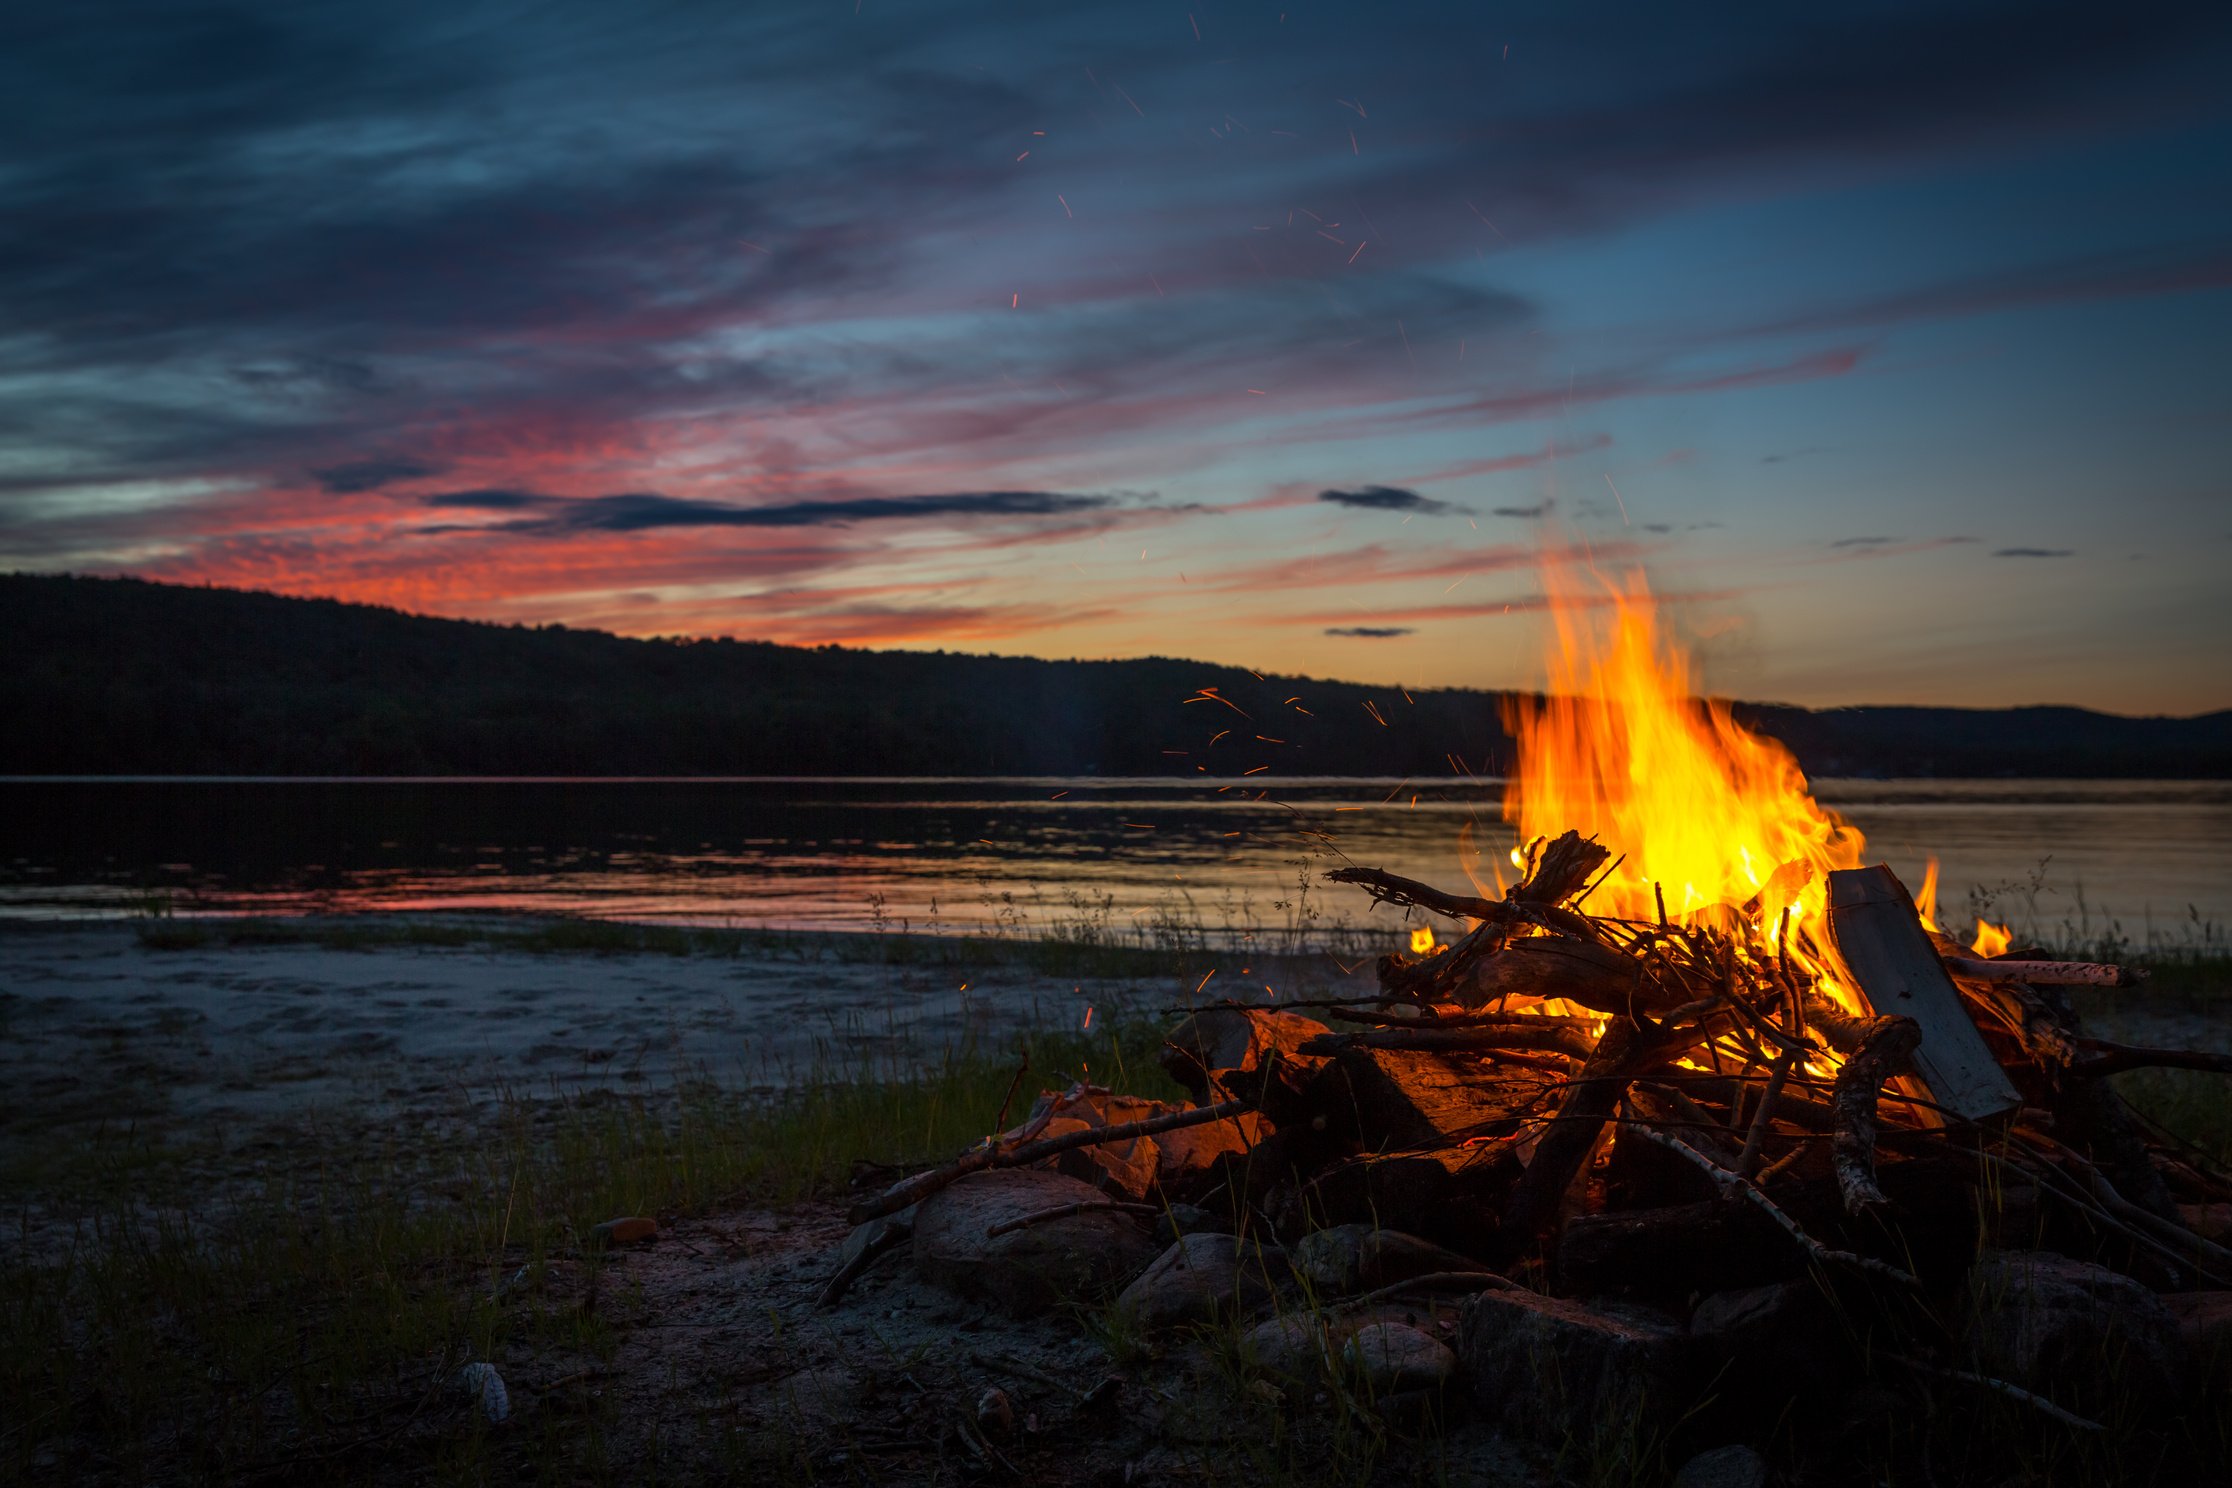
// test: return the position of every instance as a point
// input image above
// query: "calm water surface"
(1039, 855)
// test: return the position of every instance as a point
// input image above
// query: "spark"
(1406, 344)
(1057, 795)
(1135, 108)
(1204, 980)
(1258, 392)
(1344, 103)
(1195, 24)
(1616, 496)
(747, 242)
(1483, 216)
(1066, 212)
(1360, 247)
(1354, 148)
(1088, 1015)
(1015, 301)
(1023, 157)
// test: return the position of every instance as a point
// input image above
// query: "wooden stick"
(976, 1159)
(1619, 1056)
(2012, 1392)
(1884, 1052)
(1735, 1184)
(1390, 888)
(1550, 1036)
(1483, 1280)
(2103, 1058)
(888, 1238)
(2046, 973)
(1064, 1211)
(1747, 1163)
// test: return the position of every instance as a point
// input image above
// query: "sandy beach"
(102, 1029)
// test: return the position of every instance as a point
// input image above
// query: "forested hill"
(120, 676)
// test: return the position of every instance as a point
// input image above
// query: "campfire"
(1693, 1043)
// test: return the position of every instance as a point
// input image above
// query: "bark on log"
(1555, 1035)
(1620, 1055)
(2045, 973)
(1883, 1053)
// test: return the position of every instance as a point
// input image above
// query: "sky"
(1890, 340)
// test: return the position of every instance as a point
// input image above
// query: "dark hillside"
(120, 676)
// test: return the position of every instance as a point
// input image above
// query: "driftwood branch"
(2013, 1392)
(885, 1240)
(1392, 888)
(1547, 1034)
(988, 1155)
(1884, 1051)
(1064, 1211)
(1738, 1186)
(2102, 1058)
(2046, 973)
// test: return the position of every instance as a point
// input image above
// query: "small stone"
(1292, 1346)
(1203, 1277)
(486, 1387)
(632, 1230)
(1724, 1467)
(1186, 1219)
(1394, 1356)
(1332, 1259)
(995, 1413)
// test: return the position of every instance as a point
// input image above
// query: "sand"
(100, 1028)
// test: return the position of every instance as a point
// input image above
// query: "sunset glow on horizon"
(1887, 339)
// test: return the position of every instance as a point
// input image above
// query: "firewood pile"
(1597, 1130)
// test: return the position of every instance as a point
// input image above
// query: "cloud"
(491, 499)
(1389, 499)
(2034, 552)
(1370, 632)
(354, 476)
(648, 511)
(1862, 542)
(1523, 512)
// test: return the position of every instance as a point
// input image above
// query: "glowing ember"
(1422, 940)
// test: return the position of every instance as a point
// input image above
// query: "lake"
(1133, 857)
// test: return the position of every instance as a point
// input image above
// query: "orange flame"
(1991, 939)
(1422, 940)
(1709, 816)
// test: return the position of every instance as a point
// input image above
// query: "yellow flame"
(1422, 940)
(1991, 939)
(1708, 814)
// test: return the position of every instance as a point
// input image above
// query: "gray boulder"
(1547, 1366)
(1202, 1277)
(1724, 1467)
(2069, 1328)
(1030, 1270)
(1394, 1356)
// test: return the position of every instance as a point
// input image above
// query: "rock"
(486, 1387)
(1236, 1042)
(1189, 1161)
(1391, 1256)
(1548, 1366)
(2069, 1328)
(1294, 1346)
(1394, 1356)
(2204, 1320)
(1185, 1219)
(1029, 1270)
(1724, 1467)
(633, 1230)
(1332, 1259)
(873, 1232)
(1202, 1277)
(995, 1413)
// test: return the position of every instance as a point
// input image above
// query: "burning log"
(1880, 939)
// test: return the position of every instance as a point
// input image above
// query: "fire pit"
(1696, 1104)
